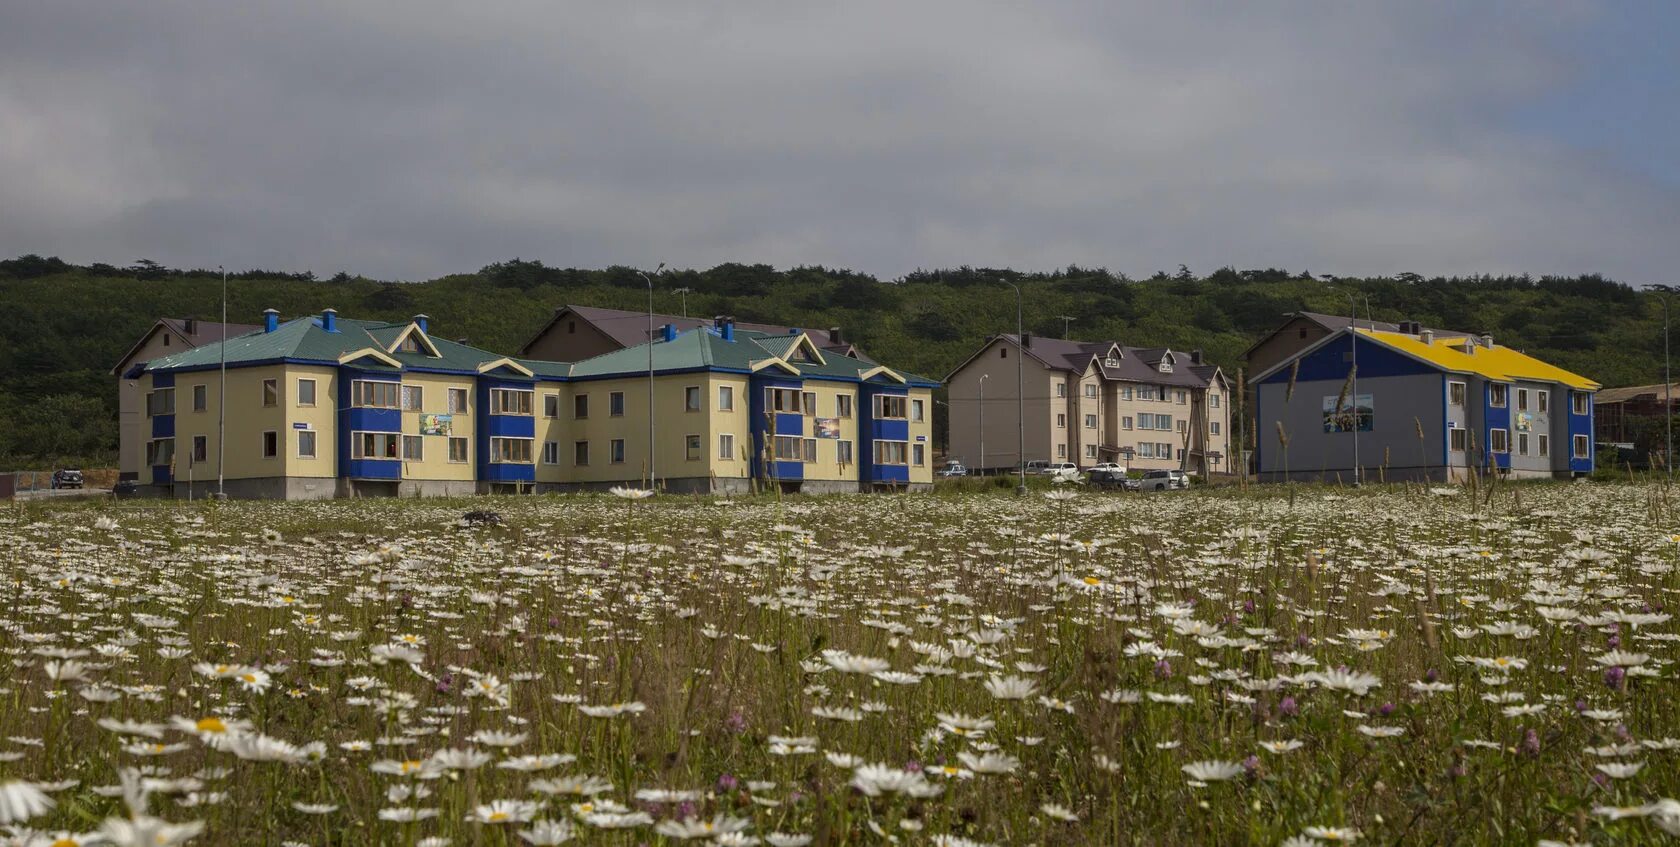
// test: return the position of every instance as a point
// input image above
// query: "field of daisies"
(1272, 666)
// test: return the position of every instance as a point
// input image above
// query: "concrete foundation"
(303, 488)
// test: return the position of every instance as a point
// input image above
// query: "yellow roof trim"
(864, 376)
(777, 361)
(505, 362)
(425, 341)
(1498, 363)
(363, 353)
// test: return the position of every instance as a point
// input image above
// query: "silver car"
(1164, 481)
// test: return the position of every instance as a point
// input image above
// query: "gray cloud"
(411, 139)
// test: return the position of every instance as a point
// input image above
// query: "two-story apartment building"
(1088, 402)
(323, 406)
(1416, 405)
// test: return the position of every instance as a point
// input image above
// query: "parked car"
(67, 478)
(1107, 466)
(1164, 481)
(1037, 466)
(126, 488)
(1062, 471)
(952, 468)
(1111, 479)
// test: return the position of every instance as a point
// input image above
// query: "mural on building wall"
(1525, 421)
(1352, 409)
(436, 424)
(828, 428)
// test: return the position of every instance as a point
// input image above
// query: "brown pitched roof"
(200, 334)
(1622, 395)
(1137, 364)
(629, 328)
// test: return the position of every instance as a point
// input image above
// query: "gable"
(1332, 360)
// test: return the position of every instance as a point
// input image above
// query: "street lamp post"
(221, 404)
(652, 477)
(981, 468)
(684, 291)
(1668, 389)
(1020, 398)
(1353, 347)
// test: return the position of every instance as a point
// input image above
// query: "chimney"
(271, 320)
(190, 326)
(1026, 339)
(834, 336)
(1487, 341)
(1427, 336)
(424, 321)
(668, 332)
(728, 327)
(1195, 357)
(329, 320)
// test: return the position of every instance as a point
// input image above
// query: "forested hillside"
(62, 326)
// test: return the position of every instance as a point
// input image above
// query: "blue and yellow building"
(323, 406)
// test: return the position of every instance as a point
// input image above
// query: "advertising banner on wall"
(1353, 409)
(828, 428)
(435, 424)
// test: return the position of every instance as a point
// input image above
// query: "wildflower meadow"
(1300, 666)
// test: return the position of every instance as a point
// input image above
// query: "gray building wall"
(1402, 405)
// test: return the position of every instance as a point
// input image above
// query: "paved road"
(50, 493)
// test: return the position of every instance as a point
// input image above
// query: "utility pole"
(1066, 320)
(221, 404)
(1020, 397)
(1353, 345)
(684, 291)
(653, 485)
(981, 468)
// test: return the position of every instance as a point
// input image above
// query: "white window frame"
(918, 410)
(882, 401)
(271, 392)
(580, 450)
(1544, 445)
(155, 451)
(551, 406)
(726, 445)
(466, 452)
(784, 401)
(1462, 436)
(459, 408)
(357, 452)
(615, 404)
(521, 400)
(1499, 395)
(551, 453)
(1463, 390)
(694, 398)
(787, 448)
(694, 446)
(166, 402)
(200, 397)
(314, 392)
(903, 460)
(1522, 399)
(1576, 448)
(314, 444)
(1522, 444)
(918, 454)
(196, 454)
(499, 445)
(1061, 420)
(615, 451)
(360, 386)
(1543, 400)
(843, 454)
(842, 405)
(419, 443)
(412, 397)
(1496, 434)
(726, 398)
(1580, 403)
(808, 450)
(1090, 420)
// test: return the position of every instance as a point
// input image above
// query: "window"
(918, 454)
(1522, 441)
(551, 452)
(1090, 451)
(1455, 393)
(810, 448)
(1582, 445)
(160, 402)
(1522, 399)
(306, 392)
(409, 344)
(1499, 441)
(271, 393)
(810, 400)
(511, 401)
(1182, 397)
(691, 398)
(1580, 402)
(1497, 395)
(788, 448)
(1543, 400)
(580, 453)
(726, 446)
(843, 405)
(580, 406)
(201, 397)
(693, 448)
(1061, 421)
(166, 339)
(1061, 451)
(1090, 421)
(414, 449)
(1145, 450)
(458, 450)
(458, 401)
(160, 452)
(270, 444)
(1165, 367)
(551, 405)
(1003, 352)
(1183, 425)
(368, 394)
(1213, 428)
(201, 448)
(412, 398)
(510, 451)
(306, 444)
(889, 407)
(917, 410)
(782, 400)
(374, 445)
(1213, 401)
(1545, 444)
(1061, 389)
(571, 327)
(843, 452)
(726, 398)
(1090, 389)
(1126, 392)
(615, 451)
(891, 452)
(1125, 421)
(615, 404)
(1458, 439)
(1149, 392)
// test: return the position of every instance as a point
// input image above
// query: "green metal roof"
(303, 338)
(702, 349)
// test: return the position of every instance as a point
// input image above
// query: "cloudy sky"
(416, 138)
